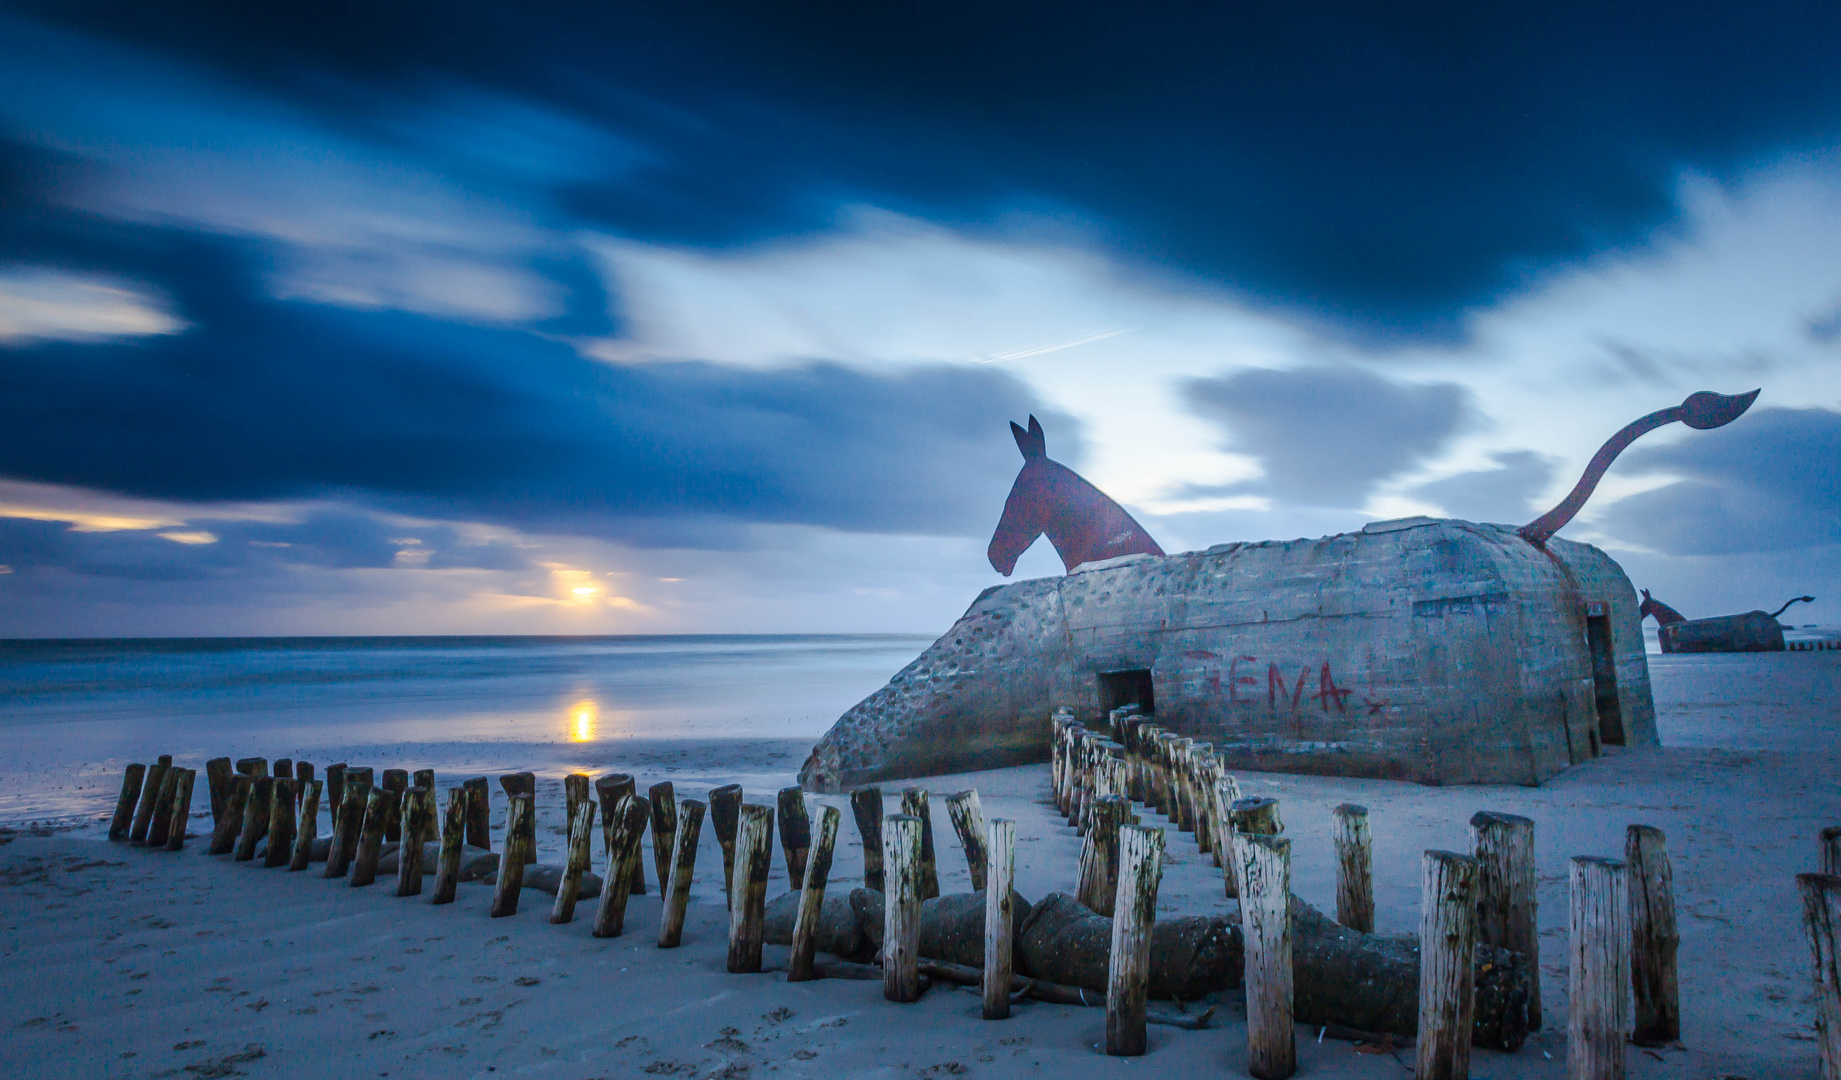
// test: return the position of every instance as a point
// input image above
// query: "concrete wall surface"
(1434, 650)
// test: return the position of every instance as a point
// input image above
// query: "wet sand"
(123, 962)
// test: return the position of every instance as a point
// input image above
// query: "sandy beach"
(125, 962)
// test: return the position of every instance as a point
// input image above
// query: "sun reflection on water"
(583, 716)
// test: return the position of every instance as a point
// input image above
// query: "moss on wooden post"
(1097, 883)
(914, 804)
(123, 820)
(725, 819)
(307, 829)
(812, 896)
(747, 905)
(683, 870)
(1134, 910)
(577, 789)
(866, 807)
(453, 840)
(795, 834)
(1598, 974)
(581, 851)
(999, 917)
(1654, 938)
(1447, 965)
(967, 814)
(901, 858)
(519, 810)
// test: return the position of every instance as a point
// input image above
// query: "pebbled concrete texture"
(1434, 650)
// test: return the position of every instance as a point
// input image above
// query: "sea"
(73, 712)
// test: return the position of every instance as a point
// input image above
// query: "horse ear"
(1030, 442)
(1645, 594)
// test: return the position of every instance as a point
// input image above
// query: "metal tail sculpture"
(1048, 497)
(1792, 600)
(1703, 410)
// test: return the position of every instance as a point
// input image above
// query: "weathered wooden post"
(1097, 885)
(281, 824)
(150, 795)
(1253, 815)
(576, 791)
(1598, 981)
(255, 816)
(163, 808)
(123, 820)
(348, 823)
(453, 838)
(224, 837)
(303, 775)
(866, 806)
(967, 815)
(754, 858)
(629, 829)
(1201, 789)
(1506, 904)
(999, 918)
(520, 809)
(1057, 755)
(524, 783)
(1447, 959)
(1831, 850)
(217, 780)
(914, 804)
(418, 827)
(683, 869)
(1134, 910)
(335, 791)
(611, 789)
(901, 856)
(396, 782)
(479, 812)
(664, 802)
(581, 851)
(253, 767)
(307, 830)
(1227, 793)
(182, 810)
(1822, 918)
(424, 778)
(812, 897)
(1653, 938)
(725, 818)
(1265, 922)
(283, 768)
(377, 813)
(1354, 867)
(1180, 752)
(795, 834)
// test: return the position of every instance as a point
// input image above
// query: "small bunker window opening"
(1133, 687)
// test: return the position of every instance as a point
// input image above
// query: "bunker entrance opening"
(1118, 688)
(1604, 677)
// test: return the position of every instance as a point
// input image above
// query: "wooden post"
(479, 813)
(377, 813)
(795, 834)
(630, 815)
(348, 823)
(901, 856)
(1506, 905)
(1447, 963)
(577, 789)
(611, 789)
(754, 858)
(521, 807)
(1227, 793)
(1098, 883)
(967, 815)
(1185, 798)
(335, 791)
(1653, 938)
(812, 897)
(1598, 980)
(581, 851)
(1831, 850)
(1822, 919)
(255, 816)
(999, 918)
(1253, 815)
(281, 824)
(683, 869)
(866, 806)
(182, 810)
(914, 804)
(396, 782)
(253, 767)
(422, 778)
(1265, 921)
(217, 780)
(307, 829)
(224, 837)
(725, 818)
(1134, 912)
(123, 820)
(524, 783)
(150, 794)
(163, 808)
(1056, 726)
(453, 837)
(1354, 867)
(1201, 789)
(664, 802)
(418, 828)
(303, 775)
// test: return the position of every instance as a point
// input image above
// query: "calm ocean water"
(73, 712)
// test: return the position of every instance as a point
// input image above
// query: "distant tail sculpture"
(1703, 410)
(1792, 600)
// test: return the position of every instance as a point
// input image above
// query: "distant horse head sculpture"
(1792, 600)
(1048, 497)
(1663, 613)
(1702, 410)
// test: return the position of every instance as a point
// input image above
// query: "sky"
(710, 317)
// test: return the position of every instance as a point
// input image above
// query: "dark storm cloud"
(1328, 435)
(1385, 166)
(266, 399)
(1497, 495)
(1770, 481)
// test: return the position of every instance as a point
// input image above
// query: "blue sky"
(710, 317)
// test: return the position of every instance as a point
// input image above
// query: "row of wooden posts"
(1622, 981)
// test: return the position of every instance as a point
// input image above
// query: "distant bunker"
(1434, 650)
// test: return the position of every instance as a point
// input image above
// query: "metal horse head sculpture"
(1663, 613)
(1048, 497)
(1702, 410)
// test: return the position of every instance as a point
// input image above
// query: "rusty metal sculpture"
(1753, 631)
(1048, 497)
(1703, 410)
(1663, 614)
